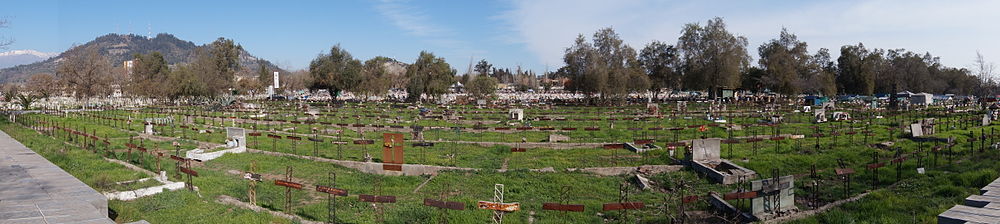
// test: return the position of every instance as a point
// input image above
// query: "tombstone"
(829, 105)
(841, 116)
(916, 129)
(516, 114)
(806, 109)
(558, 138)
(987, 120)
(776, 119)
(238, 138)
(481, 102)
(705, 158)
(653, 109)
(819, 115)
(775, 197)
(705, 150)
(149, 129)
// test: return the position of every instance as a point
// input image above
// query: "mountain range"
(119, 48)
(22, 57)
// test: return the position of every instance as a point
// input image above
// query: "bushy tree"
(481, 86)
(712, 56)
(608, 68)
(429, 75)
(660, 61)
(336, 71)
(148, 74)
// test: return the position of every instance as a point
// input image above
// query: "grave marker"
(498, 205)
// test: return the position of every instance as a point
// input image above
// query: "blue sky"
(508, 33)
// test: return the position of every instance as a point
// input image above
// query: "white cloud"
(953, 30)
(415, 22)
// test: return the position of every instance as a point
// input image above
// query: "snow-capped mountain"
(23, 57)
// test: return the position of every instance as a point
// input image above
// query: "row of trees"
(338, 71)
(708, 57)
(86, 73)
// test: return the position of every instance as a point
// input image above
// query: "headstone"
(149, 128)
(774, 197)
(806, 109)
(706, 150)
(819, 115)
(916, 130)
(558, 138)
(237, 136)
(516, 114)
(841, 116)
(986, 120)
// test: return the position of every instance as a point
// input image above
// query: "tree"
(822, 72)
(785, 61)
(984, 70)
(264, 75)
(483, 67)
(85, 72)
(660, 62)
(148, 74)
(482, 86)
(375, 78)
(608, 68)
(43, 85)
(712, 57)
(857, 68)
(224, 58)
(430, 76)
(336, 71)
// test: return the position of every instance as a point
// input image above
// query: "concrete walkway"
(33, 190)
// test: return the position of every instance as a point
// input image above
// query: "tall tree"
(225, 56)
(483, 67)
(857, 68)
(608, 69)
(148, 73)
(430, 76)
(85, 72)
(713, 57)
(375, 78)
(336, 71)
(264, 75)
(785, 61)
(660, 62)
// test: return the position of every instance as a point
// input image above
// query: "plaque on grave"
(392, 151)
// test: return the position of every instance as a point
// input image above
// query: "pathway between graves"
(421, 169)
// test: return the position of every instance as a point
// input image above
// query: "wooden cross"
(288, 184)
(332, 191)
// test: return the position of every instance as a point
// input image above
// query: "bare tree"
(43, 85)
(86, 73)
(983, 69)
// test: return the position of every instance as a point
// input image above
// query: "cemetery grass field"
(914, 198)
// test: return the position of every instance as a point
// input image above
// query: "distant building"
(128, 65)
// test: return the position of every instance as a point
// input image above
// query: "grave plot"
(705, 158)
